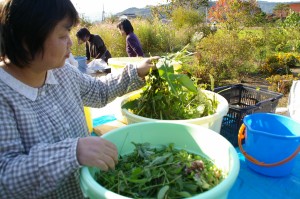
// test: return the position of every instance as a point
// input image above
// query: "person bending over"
(94, 45)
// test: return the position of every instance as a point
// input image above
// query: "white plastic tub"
(193, 138)
(212, 122)
(117, 63)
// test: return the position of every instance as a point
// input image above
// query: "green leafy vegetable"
(169, 95)
(160, 172)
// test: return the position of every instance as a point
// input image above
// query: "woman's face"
(81, 41)
(57, 46)
(122, 32)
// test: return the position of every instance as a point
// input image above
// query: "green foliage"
(222, 55)
(161, 172)
(227, 54)
(187, 18)
(281, 40)
(166, 88)
(156, 38)
(292, 20)
(167, 9)
(259, 18)
(279, 64)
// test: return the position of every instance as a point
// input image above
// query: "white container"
(118, 63)
(193, 138)
(212, 122)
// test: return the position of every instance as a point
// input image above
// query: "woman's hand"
(144, 66)
(97, 152)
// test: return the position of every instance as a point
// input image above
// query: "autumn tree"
(235, 14)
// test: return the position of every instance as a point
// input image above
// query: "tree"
(182, 17)
(292, 20)
(281, 10)
(166, 9)
(235, 14)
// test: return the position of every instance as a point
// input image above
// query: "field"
(247, 56)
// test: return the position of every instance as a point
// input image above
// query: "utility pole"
(206, 22)
(103, 14)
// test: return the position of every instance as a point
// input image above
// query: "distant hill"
(143, 12)
(266, 7)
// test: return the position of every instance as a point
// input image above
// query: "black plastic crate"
(244, 100)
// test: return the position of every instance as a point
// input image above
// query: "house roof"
(295, 7)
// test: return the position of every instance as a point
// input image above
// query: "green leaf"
(170, 79)
(184, 194)
(191, 187)
(138, 181)
(160, 159)
(187, 83)
(162, 192)
(136, 172)
(131, 104)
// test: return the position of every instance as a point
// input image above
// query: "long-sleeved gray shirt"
(40, 127)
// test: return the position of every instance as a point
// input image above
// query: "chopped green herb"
(160, 172)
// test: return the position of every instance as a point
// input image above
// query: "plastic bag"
(97, 65)
(71, 60)
(294, 101)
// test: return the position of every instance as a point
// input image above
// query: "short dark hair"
(83, 32)
(126, 26)
(25, 25)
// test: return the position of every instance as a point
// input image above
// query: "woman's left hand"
(144, 66)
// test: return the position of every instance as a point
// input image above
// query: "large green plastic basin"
(193, 138)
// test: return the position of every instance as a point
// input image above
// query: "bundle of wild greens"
(163, 172)
(169, 95)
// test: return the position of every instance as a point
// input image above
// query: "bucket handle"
(241, 136)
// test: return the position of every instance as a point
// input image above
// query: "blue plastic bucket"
(82, 66)
(271, 143)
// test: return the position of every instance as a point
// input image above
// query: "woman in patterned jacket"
(43, 134)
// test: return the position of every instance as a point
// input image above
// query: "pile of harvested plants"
(169, 95)
(160, 172)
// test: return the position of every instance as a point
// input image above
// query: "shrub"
(185, 18)
(224, 54)
(288, 59)
(281, 83)
(156, 37)
(279, 63)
